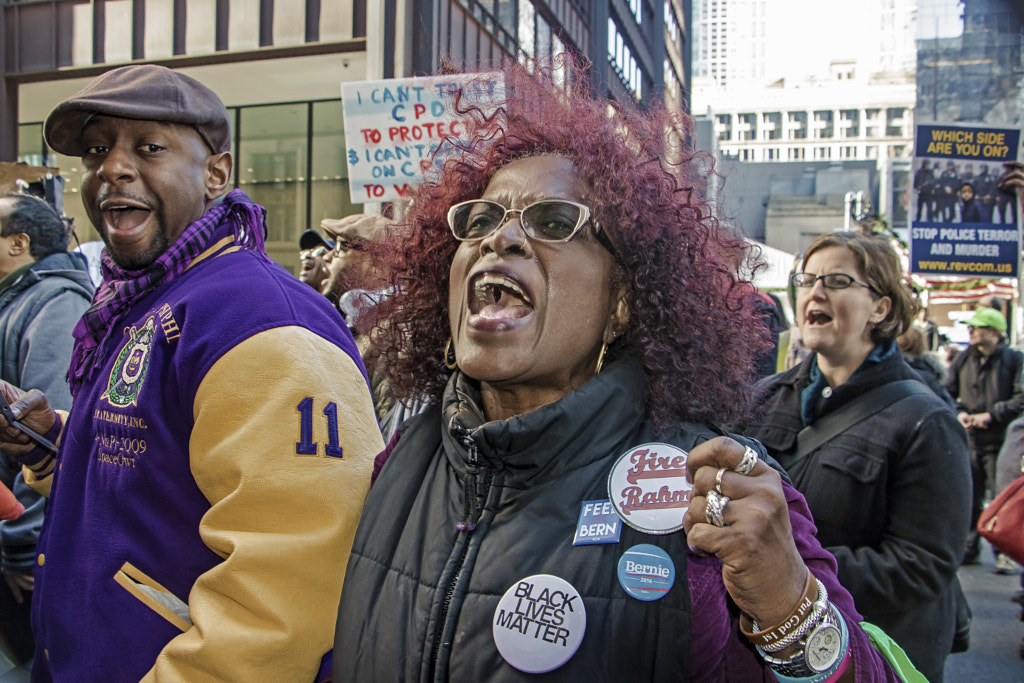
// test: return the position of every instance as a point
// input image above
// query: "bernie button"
(648, 488)
(598, 523)
(539, 623)
(646, 572)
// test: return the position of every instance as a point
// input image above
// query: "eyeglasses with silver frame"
(549, 220)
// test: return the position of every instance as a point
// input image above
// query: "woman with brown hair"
(881, 459)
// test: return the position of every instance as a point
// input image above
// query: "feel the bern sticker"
(648, 488)
(539, 623)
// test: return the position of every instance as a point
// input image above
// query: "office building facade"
(279, 65)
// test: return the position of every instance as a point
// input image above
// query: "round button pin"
(648, 487)
(539, 623)
(646, 572)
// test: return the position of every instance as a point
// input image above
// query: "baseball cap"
(311, 239)
(145, 92)
(988, 317)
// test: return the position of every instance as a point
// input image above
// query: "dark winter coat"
(465, 509)
(988, 384)
(890, 497)
(38, 311)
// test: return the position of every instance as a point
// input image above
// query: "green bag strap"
(893, 654)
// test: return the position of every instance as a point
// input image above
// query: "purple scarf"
(121, 288)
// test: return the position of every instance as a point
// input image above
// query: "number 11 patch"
(598, 523)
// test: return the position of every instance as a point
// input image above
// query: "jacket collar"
(582, 427)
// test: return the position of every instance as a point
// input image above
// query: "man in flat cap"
(208, 479)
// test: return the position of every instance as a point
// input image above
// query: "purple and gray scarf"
(121, 288)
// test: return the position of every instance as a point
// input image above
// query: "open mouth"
(495, 297)
(120, 216)
(818, 318)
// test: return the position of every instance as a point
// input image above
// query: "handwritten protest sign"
(392, 126)
(963, 224)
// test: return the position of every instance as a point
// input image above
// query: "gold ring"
(718, 480)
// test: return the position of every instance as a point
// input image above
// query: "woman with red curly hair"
(566, 506)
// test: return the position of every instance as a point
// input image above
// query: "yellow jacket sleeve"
(39, 477)
(282, 517)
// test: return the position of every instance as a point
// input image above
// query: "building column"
(8, 101)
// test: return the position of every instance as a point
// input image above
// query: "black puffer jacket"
(891, 499)
(420, 595)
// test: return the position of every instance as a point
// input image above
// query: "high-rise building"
(279, 66)
(784, 85)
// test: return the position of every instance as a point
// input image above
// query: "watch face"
(822, 648)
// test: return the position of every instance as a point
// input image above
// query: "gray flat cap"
(146, 92)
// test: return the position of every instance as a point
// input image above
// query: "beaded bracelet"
(769, 639)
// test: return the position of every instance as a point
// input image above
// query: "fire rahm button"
(648, 487)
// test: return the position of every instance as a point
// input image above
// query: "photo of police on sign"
(962, 224)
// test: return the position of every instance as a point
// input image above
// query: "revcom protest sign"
(963, 224)
(392, 126)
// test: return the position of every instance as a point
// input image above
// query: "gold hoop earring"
(600, 358)
(450, 361)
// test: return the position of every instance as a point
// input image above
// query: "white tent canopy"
(774, 275)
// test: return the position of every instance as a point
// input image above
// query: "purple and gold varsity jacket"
(207, 486)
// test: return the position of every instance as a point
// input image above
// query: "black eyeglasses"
(829, 280)
(549, 220)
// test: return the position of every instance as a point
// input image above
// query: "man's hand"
(32, 410)
(19, 582)
(1013, 178)
(982, 420)
(974, 420)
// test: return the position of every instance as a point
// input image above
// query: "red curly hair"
(692, 322)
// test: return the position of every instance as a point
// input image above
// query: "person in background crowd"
(1010, 461)
(92, 251)
(774, 318)
(44, 290)
(896, 529)
(985, 380)
(1008, 196)
(927, 365)
(355, 284)
(569, 302)
(932, 337)
(349, 264)
(314, 249)
(210, 474)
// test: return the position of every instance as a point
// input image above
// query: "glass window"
(543, 38)
(330, 191)
(31, 148)
(159, 39)
(527, 29)
(118, 44)
(506, 13)
(272, 157)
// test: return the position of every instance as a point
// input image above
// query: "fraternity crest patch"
(129, 371)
